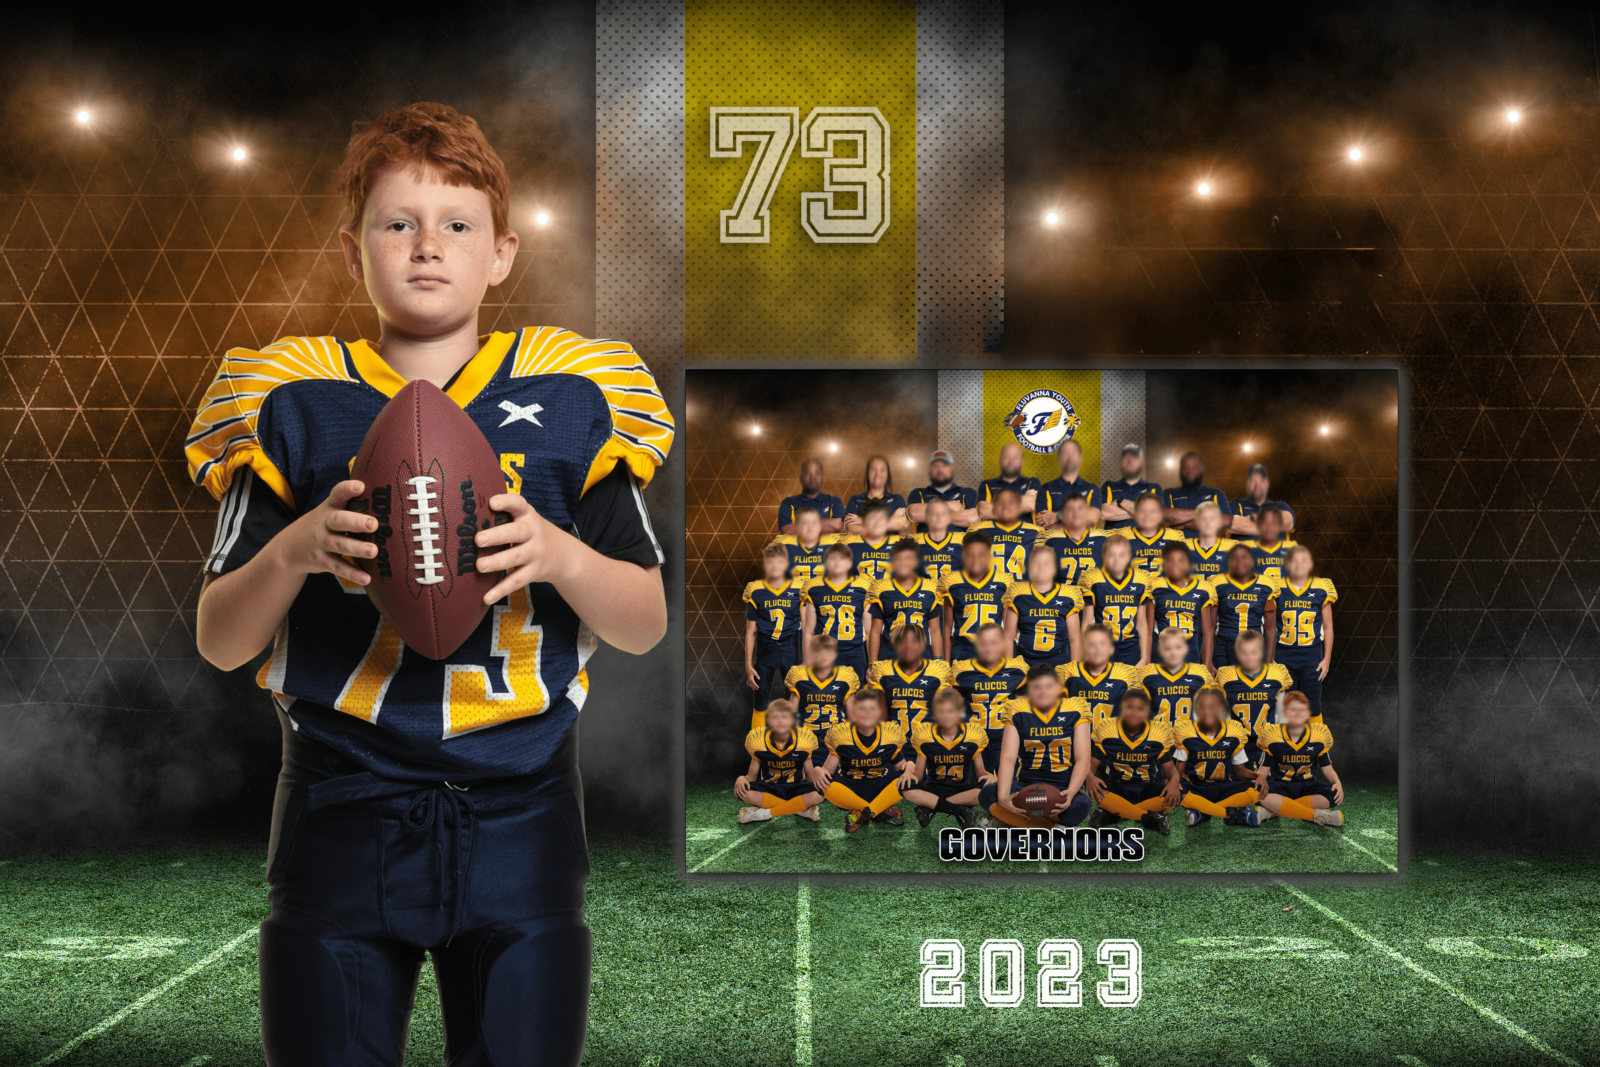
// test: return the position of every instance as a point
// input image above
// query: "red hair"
(434, 139)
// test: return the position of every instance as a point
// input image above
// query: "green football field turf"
(148, 959)
(717, 843)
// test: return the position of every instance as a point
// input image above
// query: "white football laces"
(424, 528)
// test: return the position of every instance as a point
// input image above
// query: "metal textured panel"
(961, 422)
(1122, 416)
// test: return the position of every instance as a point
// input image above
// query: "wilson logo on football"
(1042, 420)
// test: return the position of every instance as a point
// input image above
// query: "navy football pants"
(1302, 667)
(368, 875)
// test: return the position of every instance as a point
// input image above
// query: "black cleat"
(1159, 822)
(965, 817)
(1101, 817)
(856, 820)
(924, 816)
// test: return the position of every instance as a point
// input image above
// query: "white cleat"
(814, 813)
(1263, 813)
(1328, 817)
(754, 814)
(989, 822)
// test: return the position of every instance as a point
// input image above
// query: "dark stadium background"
(132, 256)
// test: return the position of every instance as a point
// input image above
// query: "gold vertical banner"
(1004, 390)
(800, 179)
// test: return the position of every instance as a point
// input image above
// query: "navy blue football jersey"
(776, 613)
(920, 605)
(987, 691)
(1117, 605)
(780, 763)
(971, 605)
(1242, 605)
(805, 564)
(1272, 561)
(841, 611)
(1209, 562)
(1076, 556)
(820, 702)
(1010, 546)
(1179, 605)
(941, 559)
(1044, 753)
(1148, 551)
(869, 559)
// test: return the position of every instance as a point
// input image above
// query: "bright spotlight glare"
(911, 462)
(1355, 155)
(756, 430)
(541, 218)
(1204, 188)
(1171, 462)
(1052, 218)
(1324, 431)
(1513, 116)
(1247, 446)
(239, 155)
(82, 116)
(833, 448)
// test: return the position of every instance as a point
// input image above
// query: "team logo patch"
(1042, 420)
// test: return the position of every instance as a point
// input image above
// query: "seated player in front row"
(1293, 753)
(776, 783)
(821, 691)
(1046, 739)
(868, 755)
(1131, 773)
(1211, 752)
(1042, 614)
(771, 629)
(1116, 593)
(949, 766)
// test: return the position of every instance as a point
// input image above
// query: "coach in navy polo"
(1191, 491)
(942, 485)
(1054, 493)
(831, 508)
(1256, 488)
(1117, 497)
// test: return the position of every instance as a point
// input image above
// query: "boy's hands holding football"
(536, 549)
(319, 541)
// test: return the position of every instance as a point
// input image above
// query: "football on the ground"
(428, 474)
(1038, 798)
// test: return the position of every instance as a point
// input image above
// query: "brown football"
(1038, 798)
(428, 473)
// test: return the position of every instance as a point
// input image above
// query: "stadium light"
(833, 448)
(910, 462)
(239, 154)
(1204, 189)
(1171, 462)
(1513, 116)
(541, 218)
(1247, 446)
(1324, 430)
(1355, 154)
(82, 116)
(1052, 218)
(755, 431)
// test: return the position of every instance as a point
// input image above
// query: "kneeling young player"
(949, 767)
(867, 755)
(1048, 733)
(776, 783)
(1131, 773)
(1292, 751)
(1211, 750)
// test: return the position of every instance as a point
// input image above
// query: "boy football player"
(1116, 594)
(1180, 599)
(836, 605)
(949, 769)
(821, 690)
(870, 548)
(1208, 549)
(1077, 543)
(1270, 550)
(1211, 751)
(776, 783)
(1012, 539)
(1252, 686)
(972, 597)
(1244, 602)
(805, 546)
(1046, 739)
(1173, 680)
(989, 680)
(905, 599)
(868, 756)
(393, 761)
(1150, 534)
(909, 680)
(1291, 752)
(1131, 773)
(940, 544)
(1096, 679)
(1305, 627)
(1041, 614)
(771, 628)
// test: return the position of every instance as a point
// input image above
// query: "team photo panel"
(1108, 618)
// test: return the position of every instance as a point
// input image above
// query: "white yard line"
(802, 975)
(155, 994)
(1362, 848)
(1427, 975)
(735, 843)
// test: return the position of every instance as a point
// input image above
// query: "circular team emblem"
(1042, 420)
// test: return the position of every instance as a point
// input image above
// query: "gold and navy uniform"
(1180, 606)
(858, 503)
(1205, 563)
(1130, 763)
(842, 615)
(1300, 646)
(986, 691)
(1076, 556)
(1044, 753)
(1288, 761)
(950, 766)
(959, 497)
(1271, 562)
(805, 564)
(1172, 695)
(866, 757)
(278, 427)
(1054, 493)
(820, 702)
(1147, 550)
(868, 560)
(1103, 691)
(972, 604)
(829, 507)
(783, 764)
(1253, 701)
(919, 605)
(1042, 621)
(1116, 605)
(1024, 484)
(908, 692)
(1124, 493)
(776, 613)
(1010, 546)
(1210, 764)
(941, 560)
(1241, 606)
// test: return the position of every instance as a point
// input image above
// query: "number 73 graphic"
(853, 206)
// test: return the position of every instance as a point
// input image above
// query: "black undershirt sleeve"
(611, 519)
(249, 516)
